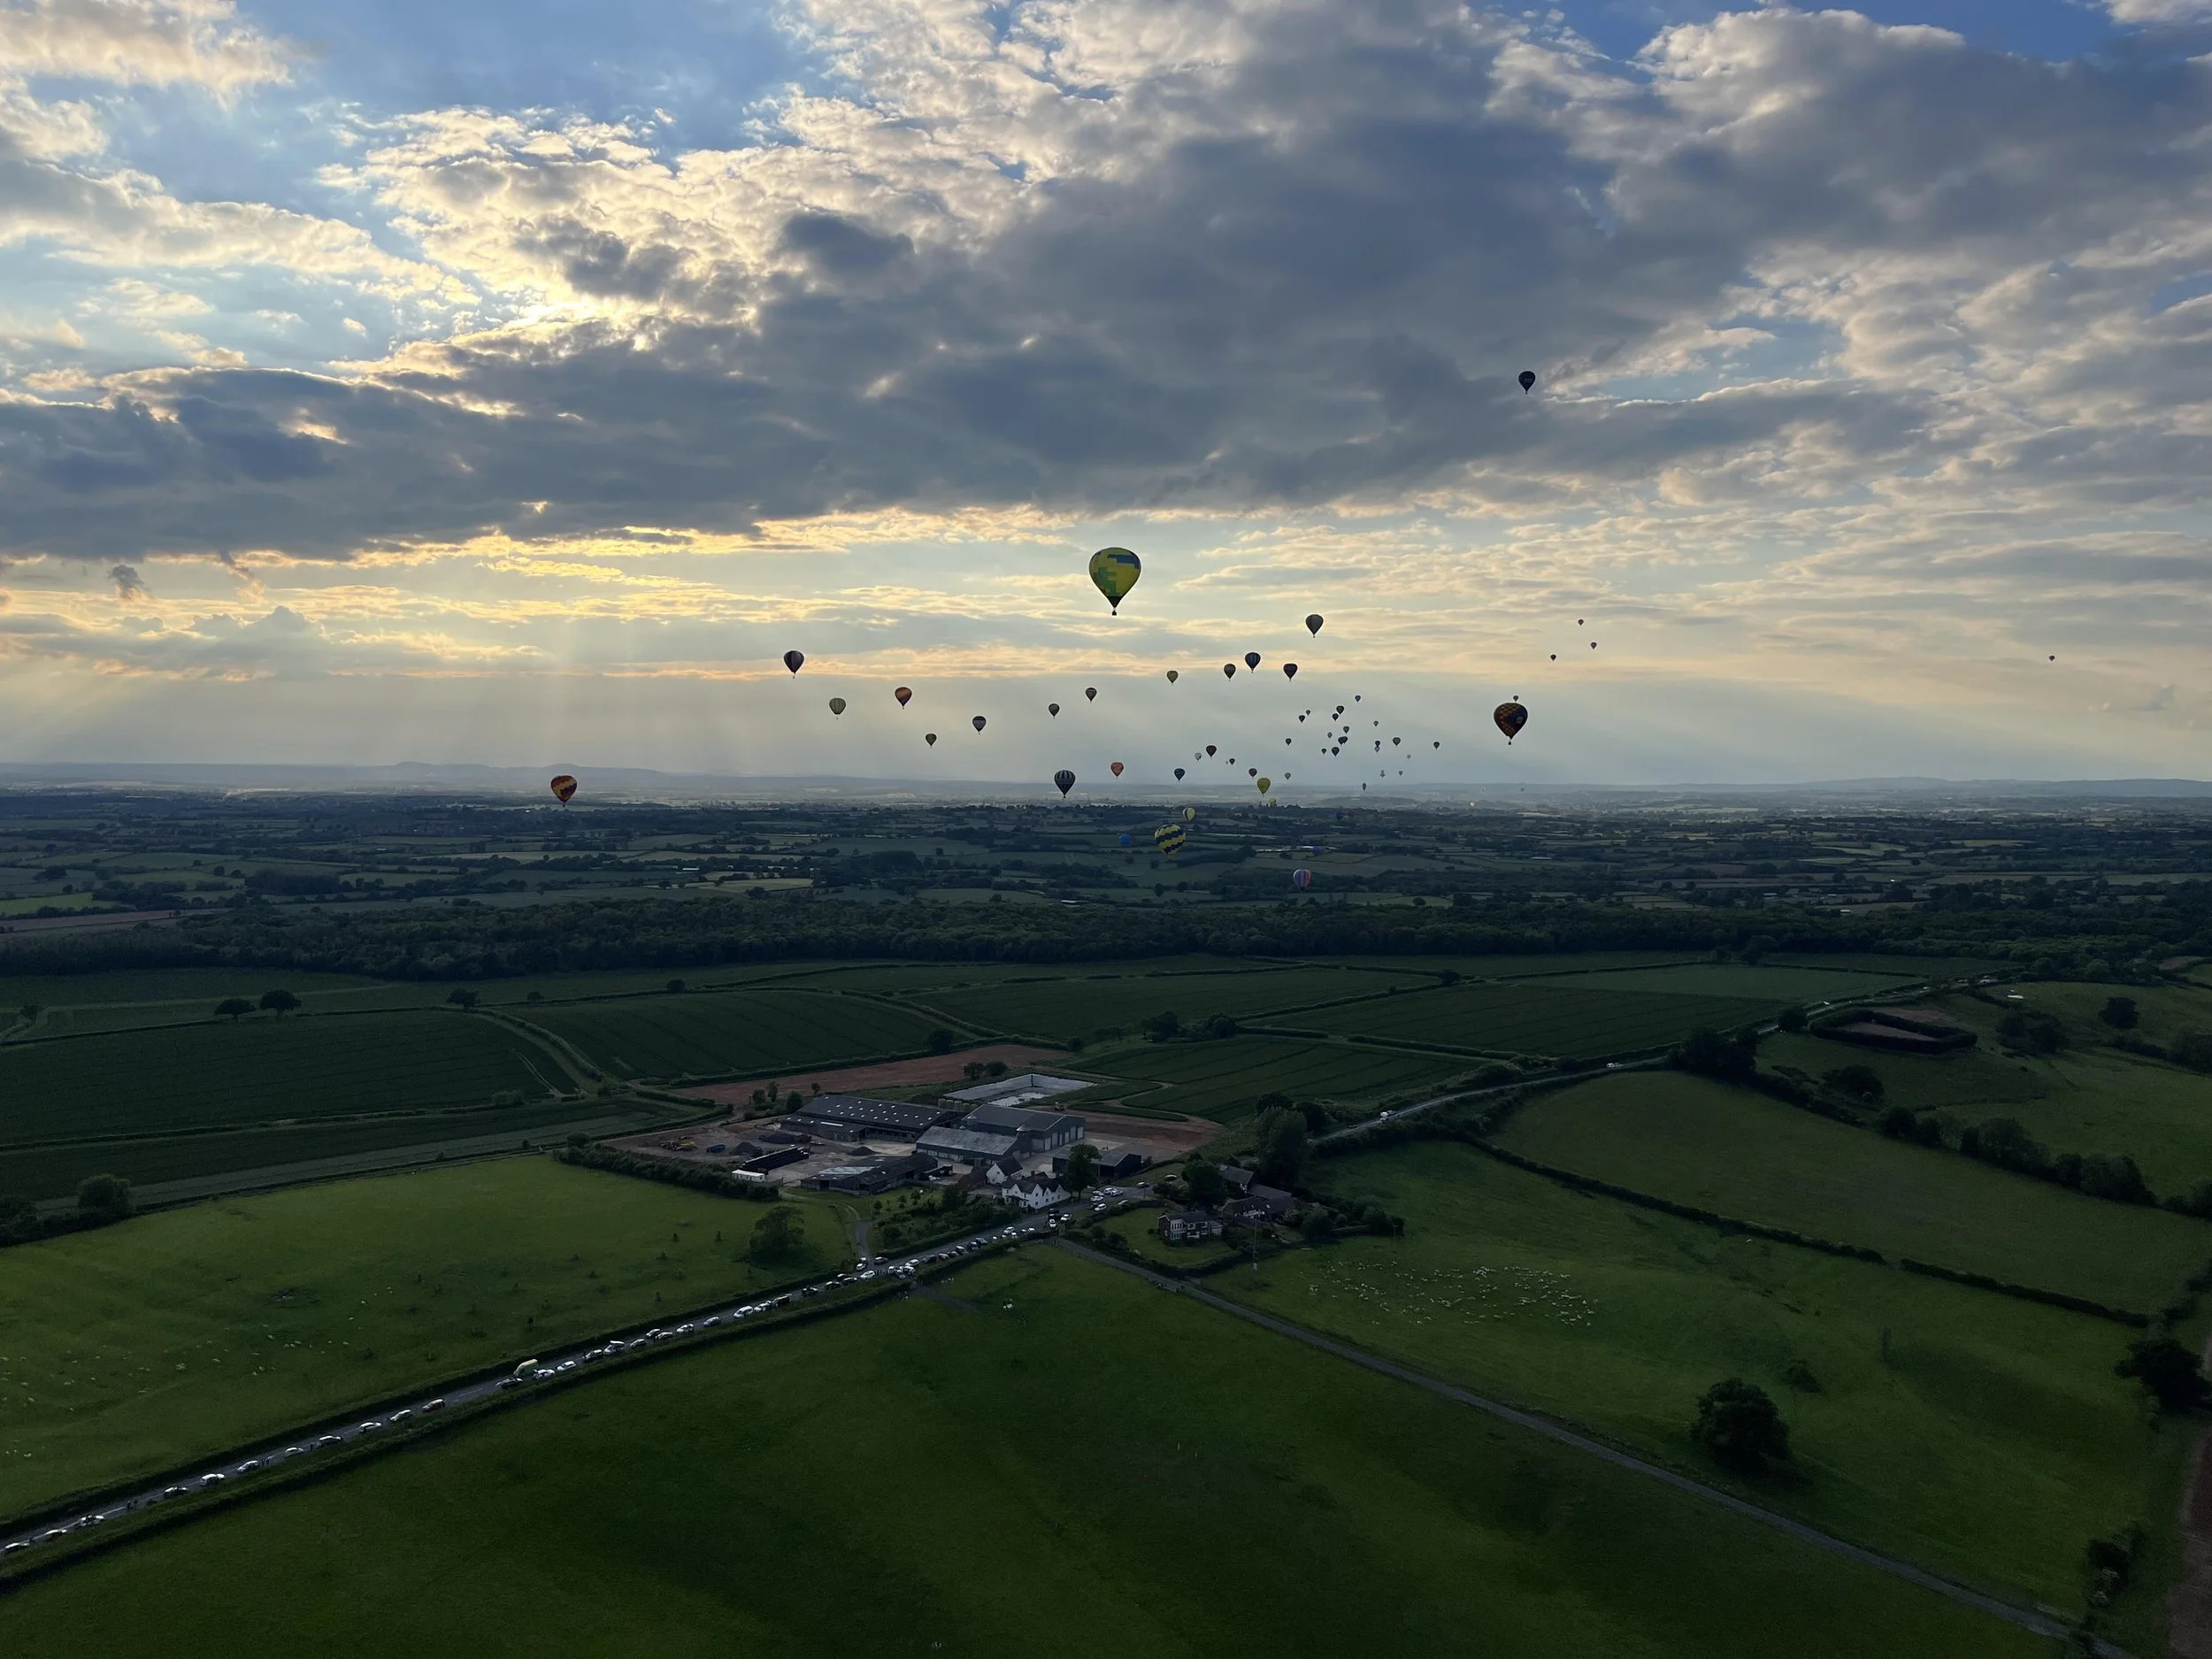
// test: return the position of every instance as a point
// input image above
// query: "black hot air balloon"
(794, 660)
(1510, 717)
(1090, 693)
(1053, 709)
(1179, 774)
(1290, 671)
(905, 695)
(1228, 671)
(1528, 378)
(930, 738)
(1064, 781)
(1209, 751)
(977, 723)
(1251, 659)
(563, 788)
(1313, 623)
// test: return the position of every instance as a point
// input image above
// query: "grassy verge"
(706, 1505)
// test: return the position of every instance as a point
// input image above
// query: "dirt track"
(935, 1068)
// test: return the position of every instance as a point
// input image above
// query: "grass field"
(916, 1478)
(1730, 1150)
(1084, 1003)
(749, 1033)
(1760, 984)
(191, 1077)
(1553, 1017)
(1221, 1080)
(129, 1349)
(1989, 1442)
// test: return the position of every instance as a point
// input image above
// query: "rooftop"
(1018, 1091)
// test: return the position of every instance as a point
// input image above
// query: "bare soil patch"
(1172, 1139)
(935, 1068)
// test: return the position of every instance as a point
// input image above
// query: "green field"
(1221, 1080)
(194, 1077)
(128, 1350)
(1085, 1004)
(755, 1032)
(1548, 1018)
(916, 1478)
(1730, 1150)
(1989, 1443)
(1762, 984)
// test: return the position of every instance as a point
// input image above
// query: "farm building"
(878, 1119)
(1017, 1091)
(878, 1176)
(1112, 1166)
(998, 1132)
(767, 1161)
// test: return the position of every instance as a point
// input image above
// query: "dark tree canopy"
(1740, 1424)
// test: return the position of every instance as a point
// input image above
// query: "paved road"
(1459, 1095)
(14, 1547)
(2025, 1618)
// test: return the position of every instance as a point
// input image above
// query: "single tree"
(675, 986)
(278, 1002)
(1791, 1020)
(776, 1236)
(233, 1009)
(103, 1198)
(2167, 1370)
(1283, 1145)
(1738, 1424)
(2119, 1012)
(1163, 1026)
(1204, 1182)
(462, 998)
(1860, 1082)
(1082, 1167)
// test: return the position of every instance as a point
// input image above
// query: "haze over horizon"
(514, 385)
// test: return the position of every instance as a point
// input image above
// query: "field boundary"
(2026, 1619)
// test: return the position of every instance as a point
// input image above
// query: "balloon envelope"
(1053, 709)
(1313, 623)
(1190, 815)
(1251, 659)
(1127, 840)
(1169, 839)
(837, 705)
(930, 738)
(1301, 880)
(1115, 769)
(977, 723)
(563, 788)
(1290, 671)
(1173, 676)
(1179, 774)
(1510, 717)
(1265, 784)
(1209, 751)
(1229, 669)
(1115, 569)
(1090, 693)
(905, 695)
(1064, 781)
(794, 660)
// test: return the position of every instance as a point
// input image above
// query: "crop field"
(1757, 983)
(1501, 966)
(910, 978)
(706, 1504)
(195, 990)
(1729, 1150)
(1221, 1080)
(192, 1077)
(126, 1350)
(1976, 1433)
(1551, 1017)
(750, 1032)
(1085, 1003)
(54, 1170)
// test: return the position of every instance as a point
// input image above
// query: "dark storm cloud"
(1312, 277)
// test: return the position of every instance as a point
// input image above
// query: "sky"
(516, 383)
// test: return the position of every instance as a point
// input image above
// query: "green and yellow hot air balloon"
(1115, 569)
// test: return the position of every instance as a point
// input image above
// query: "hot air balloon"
(1251, 772)
(1313, 623)
(1266, 785)
(1114, 570)
(1229, 670)
(1510, 717)
(977, 723)
(1251, 659)
(563, 788)
(1126, 840)
(1173, 675)
(1528, 378)
(1436, 745)
(1393, 742)
(1209, 751)
(1179, 774)
(1593, 645)
(1064, 781)
(905, 695)
(794, 660)
(1169, 838)
(1115, 769)
(837, 705)
(1053, 709)
(930, 738)
(1090, 693)
(1555, 656)
(1301, 880)
(1190, 815)
(1290, 671)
